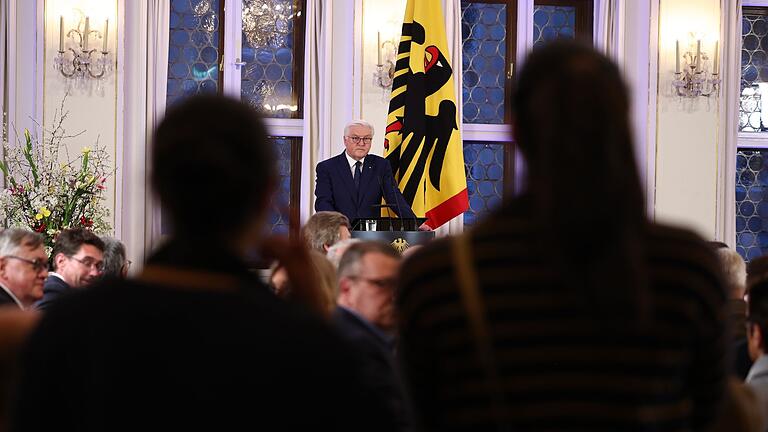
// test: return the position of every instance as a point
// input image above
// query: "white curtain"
(607, 28)
(145, 68)
(317, 144)
(730, 92)
(452, 12)
(4, 4)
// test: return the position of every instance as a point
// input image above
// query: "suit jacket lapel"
(346, 175)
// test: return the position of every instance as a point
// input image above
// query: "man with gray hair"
(116, 264)
(354, 182)
(324, 229)
(365, 316)
(23, 267)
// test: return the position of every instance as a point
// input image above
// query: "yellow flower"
(45, 212)
(26, 135)
(89, 178)
(38, 216)
(86, 150)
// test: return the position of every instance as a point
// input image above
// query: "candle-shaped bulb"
(716, 67)
(677, 56)
(105, 36)
(378, 47)
(698, 55)
(85, 33)
(61, 33)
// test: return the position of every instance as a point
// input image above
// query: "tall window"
(489, 36)
(752, 154)
(268, 52)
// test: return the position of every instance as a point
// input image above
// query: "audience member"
(116, 264)
(324, 229)
(324, 274)
(77, 262)
(735, 276)
(366, 316)
(336, 251)
(23, 267)
(758, 342)
(555, 313)
(757, 271)
(196, 342)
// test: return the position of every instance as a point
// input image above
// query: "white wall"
(93, 108)
(687, 129)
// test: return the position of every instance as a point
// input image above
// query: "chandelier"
(696, 71)
(266, 22)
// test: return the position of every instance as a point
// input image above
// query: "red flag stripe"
(448, 209)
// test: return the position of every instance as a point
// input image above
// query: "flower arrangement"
(47, 191)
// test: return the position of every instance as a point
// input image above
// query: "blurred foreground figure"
(558, 313)
(196, 341)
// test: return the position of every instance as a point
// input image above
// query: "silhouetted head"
(571, 122)
(213, 169)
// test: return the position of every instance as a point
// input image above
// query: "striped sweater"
(562, 364)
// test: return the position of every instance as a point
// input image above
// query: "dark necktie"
(356, 177)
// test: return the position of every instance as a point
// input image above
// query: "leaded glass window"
(484, 35)
(269, 79)
(754, 70)
(484, 162)
(193, 52)
(553, 22)
(751, 203)
(280, 215)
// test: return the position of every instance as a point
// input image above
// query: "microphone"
(384, 196)
(397, 201)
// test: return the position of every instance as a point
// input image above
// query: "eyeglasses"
(356, 139)
(90, 263)
(37, 263)
(387, 283)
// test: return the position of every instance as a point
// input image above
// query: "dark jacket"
(53, 288)
(335, 188)
(6, 299)
(205, 347)
(380, 371)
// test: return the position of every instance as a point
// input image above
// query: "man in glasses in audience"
(354, 182)
(23, 267)
(77, 262)
(365, 316)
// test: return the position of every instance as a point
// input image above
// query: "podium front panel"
(400, 240)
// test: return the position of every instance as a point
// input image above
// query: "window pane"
(553, 22)
(484, 164)
(268, 77)
(751, 203)
(193, 52)
(754, 71)
(484, 36)
(279, 217)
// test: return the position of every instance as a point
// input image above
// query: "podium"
(400, 233)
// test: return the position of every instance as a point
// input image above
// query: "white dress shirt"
(351, 161)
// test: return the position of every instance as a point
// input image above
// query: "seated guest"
(735, 276)
(354, 182)
(324, 229)
(366, 316)
(757, 334)
(23, 267)
(323, 274)
(77, 262)
(196, 342)
(553, 313)
(336, 251)
(116, 264)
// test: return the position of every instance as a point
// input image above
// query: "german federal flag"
(422, 140)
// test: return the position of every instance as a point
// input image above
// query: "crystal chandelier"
(696, 71)
(79, 58)
(266, 22)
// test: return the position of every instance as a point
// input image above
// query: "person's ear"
(325, 248)
(345, 286)
(58, 260)
(3, 265)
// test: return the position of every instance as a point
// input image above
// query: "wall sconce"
(386, 54)
(695, 77)
(77, 59)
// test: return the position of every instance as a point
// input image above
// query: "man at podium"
(354, 182)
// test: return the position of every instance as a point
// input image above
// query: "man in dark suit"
(77, 262)
(196, 341)
(365, 316)
(354, 182)
(23, 267)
